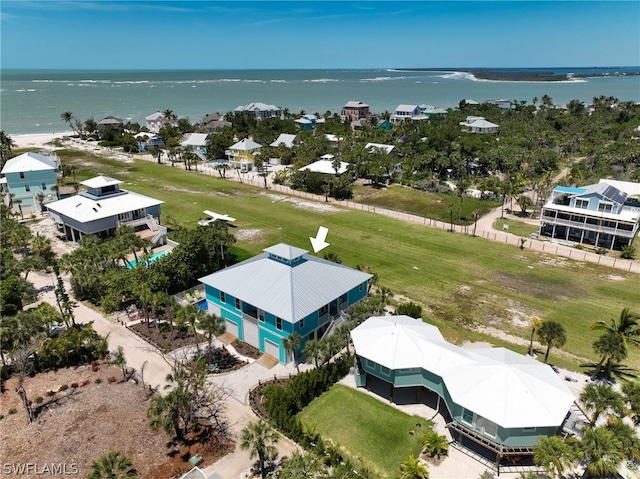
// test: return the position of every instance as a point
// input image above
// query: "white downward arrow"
(319, 242)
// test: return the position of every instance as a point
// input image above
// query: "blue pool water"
(202, 304)
(151, 259)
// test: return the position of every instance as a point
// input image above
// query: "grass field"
(518, 228)
(438, 206)
(461, 281)
(375, 432)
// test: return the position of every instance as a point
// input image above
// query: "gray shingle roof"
(289, 292)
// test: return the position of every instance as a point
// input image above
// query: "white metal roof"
(257, 106)
(284, 138)
(629, 187)
(245, 145)
(155, 116)
(326, 166)
(28, 162)
(355, 104)
(505, 387)
(379, 146)
(286, 251)
(196, 139)
(289, 292)
(85, 210)
(100, 181)
(407, 108)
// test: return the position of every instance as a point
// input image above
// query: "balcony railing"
(589, 227)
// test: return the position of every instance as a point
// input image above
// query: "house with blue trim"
(492, 397)
(283, 290)
(31, 179)
(604, 214)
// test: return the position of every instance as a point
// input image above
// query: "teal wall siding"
(356, 294)
(34, 180)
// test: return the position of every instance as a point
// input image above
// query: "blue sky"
(305, 34)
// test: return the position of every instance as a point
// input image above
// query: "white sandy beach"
(38, 140)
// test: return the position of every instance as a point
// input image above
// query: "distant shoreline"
(515, 75)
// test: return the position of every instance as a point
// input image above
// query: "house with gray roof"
(283, 290)
(604, 214)
(261, 111)
(104, 206)
(355, 110)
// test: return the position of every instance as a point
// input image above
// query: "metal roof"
(326, 166)
(100, 181)
(28, 162)
(289, 292)
(85, 210)
(505, 387)
(285, 251)
(245, 145)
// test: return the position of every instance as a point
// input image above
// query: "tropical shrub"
(435, 445)
(411, 309)
(628, 252)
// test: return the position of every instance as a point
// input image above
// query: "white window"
(489, 428)
(582, 204)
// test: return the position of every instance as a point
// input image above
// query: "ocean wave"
(457, 76)
(95, 81)
(321, 80)
(278, 81)
(131, 82)
(382, 79)
(21, 90)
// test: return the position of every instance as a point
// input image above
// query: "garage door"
(232, 328)
(272, 348)
(250, 333)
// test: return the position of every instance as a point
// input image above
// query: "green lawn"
(375, 432)
(438, 206)
(461, 281)
(518, 228)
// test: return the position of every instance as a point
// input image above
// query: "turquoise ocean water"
(31, 101)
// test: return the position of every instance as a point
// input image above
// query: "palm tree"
(67, 117)
(627, 436)
(291, 344)
(212, 325)
(6, 146)
(535, 323)
(601, 451)
(313, 350)
(435, 445)
(553, 455)
(631, 392)
(610, 347)
(599, 398)
(627, 327)
(118, 359)
(112, 466)
(552, 334)
(302, 465)
(412, 468)
(259, 439)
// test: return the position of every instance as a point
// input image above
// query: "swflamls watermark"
(40, 469)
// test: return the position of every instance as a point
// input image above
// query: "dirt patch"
(92, 416)
(307, 205)
(163, 338)
(615, 277)
(250, 235)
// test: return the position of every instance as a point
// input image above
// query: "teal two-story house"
(30, 179)
(283, 290)
(493, 397)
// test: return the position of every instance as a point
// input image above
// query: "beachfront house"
(432, 111)
(147, 140)
(103, 207)
(261, 111)
(308, 122)
(213, 122)
(30, 180)
(406, 112)
(381, 147)
(477, 124)
(501, 103)
(110, 123)
(283, 290)
(355, 110)
(241, 154)
(604, 214)
(157, 120)
(491, 398)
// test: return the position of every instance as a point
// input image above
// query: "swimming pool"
(152, 258)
